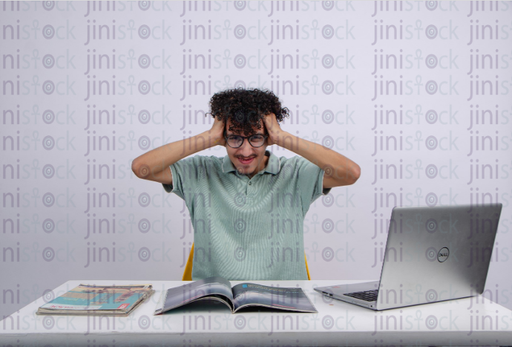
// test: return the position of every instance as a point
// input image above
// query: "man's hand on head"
(217, 132)
(275, 133)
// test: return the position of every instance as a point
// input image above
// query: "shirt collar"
(273, 165)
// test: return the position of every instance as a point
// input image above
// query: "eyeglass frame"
(265, 137)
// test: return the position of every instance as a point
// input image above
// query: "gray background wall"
(416, 92)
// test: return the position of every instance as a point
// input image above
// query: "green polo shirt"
(247, 228)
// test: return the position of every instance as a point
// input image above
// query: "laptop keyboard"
(369, 295)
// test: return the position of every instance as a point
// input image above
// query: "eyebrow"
(233, 133)
(230, 135)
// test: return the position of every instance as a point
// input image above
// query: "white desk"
(475, 321)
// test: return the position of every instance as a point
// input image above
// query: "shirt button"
(250, 183)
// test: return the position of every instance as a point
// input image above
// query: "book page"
(292, 299)
(193, 291)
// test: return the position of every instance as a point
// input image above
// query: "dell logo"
(443, 254)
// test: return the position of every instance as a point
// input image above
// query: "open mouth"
(246, 161)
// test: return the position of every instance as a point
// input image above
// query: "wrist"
(211, 139)
(282, 138)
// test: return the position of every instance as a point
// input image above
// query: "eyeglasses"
(236, 141)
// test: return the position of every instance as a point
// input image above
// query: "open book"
(240, 296)
(98, 300)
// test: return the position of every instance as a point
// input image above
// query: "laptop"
(432, 254)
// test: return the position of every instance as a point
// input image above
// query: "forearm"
(339, 170)
(151, 164)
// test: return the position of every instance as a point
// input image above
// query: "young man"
(248, 208)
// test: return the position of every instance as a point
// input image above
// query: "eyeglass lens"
(236, 141)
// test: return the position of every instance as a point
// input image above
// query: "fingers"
(218, 123)
(217, 119)
(269, 120)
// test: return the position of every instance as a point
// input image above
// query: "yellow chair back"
(187, 274)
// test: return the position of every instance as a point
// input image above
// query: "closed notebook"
(98, 300)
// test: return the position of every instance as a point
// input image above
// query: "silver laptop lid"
(437, 253)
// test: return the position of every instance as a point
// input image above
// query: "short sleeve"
(184, 172)
(310, 181)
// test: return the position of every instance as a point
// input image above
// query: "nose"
(245, 149)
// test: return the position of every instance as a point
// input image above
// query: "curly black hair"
(245, 108)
